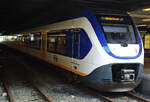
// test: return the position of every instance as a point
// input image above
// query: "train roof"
(82, 13)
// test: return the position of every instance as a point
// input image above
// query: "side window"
(56, 43)
(33, 40)
(18, 40)
(61, 46)
(26, 40)
(22, 40)
(51, 43)
(36, 39)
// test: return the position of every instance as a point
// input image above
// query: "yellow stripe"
(69, 69)
(64, 67)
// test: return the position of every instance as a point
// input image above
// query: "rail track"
(4, 88)
(10, 97)
(42, 94)
(138, 97)
(37, 94)
(129, 94)
(5, 96)
(107, 97)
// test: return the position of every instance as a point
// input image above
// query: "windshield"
(118, 30)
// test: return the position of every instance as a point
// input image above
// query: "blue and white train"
(105, 50)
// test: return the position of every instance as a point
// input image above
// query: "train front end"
(121, 66)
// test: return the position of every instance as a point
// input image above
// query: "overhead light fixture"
(145, 20)
(128, 12)
(141, 25)
(146, 9)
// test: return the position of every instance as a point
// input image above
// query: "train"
(103, 49)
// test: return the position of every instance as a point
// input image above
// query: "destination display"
(109, 19)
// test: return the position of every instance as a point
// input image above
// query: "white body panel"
(129, 51)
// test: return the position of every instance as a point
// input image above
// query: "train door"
(76, 44)
(43, 44)
(75, 48)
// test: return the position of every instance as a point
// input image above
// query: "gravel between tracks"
(52, 85)
(20, 90)
(61, 92)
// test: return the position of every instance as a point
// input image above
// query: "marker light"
(141, 25)
(147, 9)
(19, 35)
(145, 19)
(112, 19)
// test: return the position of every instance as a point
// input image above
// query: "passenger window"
(19, 40)
(61, 46)
(56, 43)
(26, 40)
(51, 43)
(32, 40)
(35, 40)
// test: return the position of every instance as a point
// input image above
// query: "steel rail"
(138, 97)
(27, 67)
(44, 95)
(98, 95)
(6, 88)
(10, 97)
(8, 92)
(33, 85)
(106, 98)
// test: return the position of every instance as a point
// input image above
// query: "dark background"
(17, 15)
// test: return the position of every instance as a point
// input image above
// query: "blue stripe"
(95, 24)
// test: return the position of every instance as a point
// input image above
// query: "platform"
(146, 77)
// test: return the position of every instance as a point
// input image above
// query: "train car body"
(105, 50)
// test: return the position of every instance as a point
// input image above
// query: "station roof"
(23, 14)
